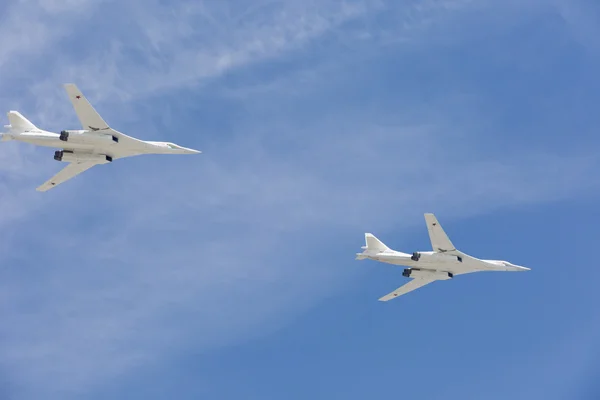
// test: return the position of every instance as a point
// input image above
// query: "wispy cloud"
(571, 355)
(103, 303)
(581, 18)
(28, 30)
(172, 45)
(138, 259)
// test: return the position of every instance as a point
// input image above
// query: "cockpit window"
(173, 146)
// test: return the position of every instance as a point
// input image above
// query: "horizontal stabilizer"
(19, 123)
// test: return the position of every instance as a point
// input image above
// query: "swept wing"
(439, 240)
(408, 287)
(89, 118)
(68, 172)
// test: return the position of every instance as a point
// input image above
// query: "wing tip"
(46, 186)
(72, 88)
(389, 296)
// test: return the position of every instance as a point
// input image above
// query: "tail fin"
(18, 122)
(374, 244)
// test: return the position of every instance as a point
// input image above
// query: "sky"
(231, 274)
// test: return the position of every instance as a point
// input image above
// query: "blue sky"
(231, 274)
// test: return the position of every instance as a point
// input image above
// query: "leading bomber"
(97, 143)
(424, 267)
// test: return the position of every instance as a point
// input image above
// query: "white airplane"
(95, 144)
(441, 264)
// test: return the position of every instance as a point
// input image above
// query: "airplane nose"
(192, 151)
(524, 269)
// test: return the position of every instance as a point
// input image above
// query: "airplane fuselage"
(51, 139)
(108, 142)
(455, 262)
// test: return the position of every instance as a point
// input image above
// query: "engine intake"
(69, 156)
(415, 256)
(427, 274)
(85, 137)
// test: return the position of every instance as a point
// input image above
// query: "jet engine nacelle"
(85, 137)
(69, 156)
(427, 274)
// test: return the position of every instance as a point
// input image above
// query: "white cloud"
(142, 258)
(162, 45)
(581, 19)
(27, 28)
(210, 253)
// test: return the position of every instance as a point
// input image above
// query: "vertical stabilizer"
(374, 244)
(19, 123)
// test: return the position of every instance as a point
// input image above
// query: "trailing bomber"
(424, 267)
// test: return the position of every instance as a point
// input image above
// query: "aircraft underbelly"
(115, 150)
(437, 264)
(55, 142)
